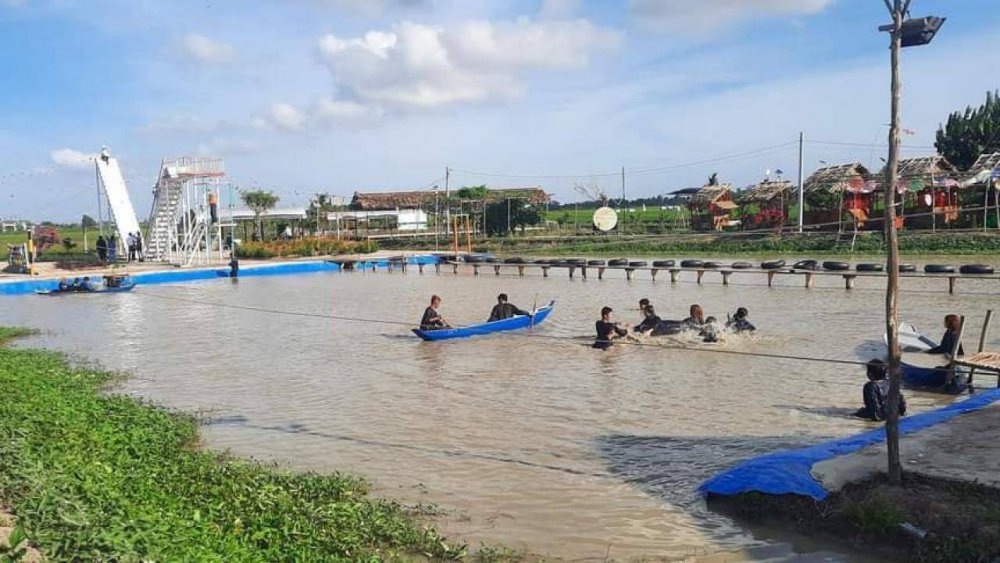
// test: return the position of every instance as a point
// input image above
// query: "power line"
(866, 145)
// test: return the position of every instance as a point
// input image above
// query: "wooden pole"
(982, 340)
(454, 231)
(468, 234)
(895, 469)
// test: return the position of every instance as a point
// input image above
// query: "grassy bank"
(816, 244)
(928, 520)
(100, 477)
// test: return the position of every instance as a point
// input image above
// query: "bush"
(304, 247)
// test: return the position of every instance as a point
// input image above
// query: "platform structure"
(181, 229)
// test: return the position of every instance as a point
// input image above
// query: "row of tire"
(806, 265)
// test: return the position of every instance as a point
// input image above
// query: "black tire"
(557, 262)
(493, 260)
(939, 269)
(692, 263)
(542, 261)
(514, 260)
(806, 265)
(870, 267)
(836, 266)
(741, 266)
(712, 265)
(576, 262)
(596, 262)
(663, 264)
(976, 269)
(618, 262)
(906, 268)
(637, 264)
(772, 265)
(474, 259)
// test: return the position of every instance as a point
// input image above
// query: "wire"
(866, 145)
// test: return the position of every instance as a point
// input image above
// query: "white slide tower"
(180, 228)
(110, 179)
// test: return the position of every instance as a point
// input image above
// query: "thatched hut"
(382, 201)
(832, 190)
(764, 204)
(711, 207)
(927, 185)
(984, 175)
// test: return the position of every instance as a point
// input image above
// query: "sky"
(336, 96)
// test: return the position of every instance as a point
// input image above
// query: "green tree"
(473, 192)
(521, 216)
(968, 134)
(87, 222)
(260, 202)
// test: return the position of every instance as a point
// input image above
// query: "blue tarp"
(788, 472)
(178, 276)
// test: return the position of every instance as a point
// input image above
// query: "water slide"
(110, 175)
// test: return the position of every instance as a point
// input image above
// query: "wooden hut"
(928, 188)
(765, 204)
(711, 208)
(984, 175)
(833, 190)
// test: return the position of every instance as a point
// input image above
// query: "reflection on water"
(531, 439)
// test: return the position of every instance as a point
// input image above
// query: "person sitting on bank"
(740, 321)
(876, 393)
(504, 310)
(696, 318)
(432, 320)
(650, 321)
(608, 330)
(952, 324)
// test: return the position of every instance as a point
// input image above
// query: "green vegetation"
(968, 134)
(95, 477)
(260, 202)
(304, 247)
(8, 333)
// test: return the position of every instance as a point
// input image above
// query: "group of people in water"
(707, 328)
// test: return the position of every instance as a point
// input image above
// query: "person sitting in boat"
(710, 330)
(432, 320)
(504, 310)
(740, 321)
(608, 330)
(75, 286)
(952, 324)
(63, 284)
(87, 285)
(696, 318)
(649, 322)
(876, 393)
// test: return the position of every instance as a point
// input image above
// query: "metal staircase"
(179, 227)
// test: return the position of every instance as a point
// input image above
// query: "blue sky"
(306, 96)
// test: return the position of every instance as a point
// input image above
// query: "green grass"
(10, 333)
(101, 477)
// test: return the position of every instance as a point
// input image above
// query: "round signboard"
(605, 219)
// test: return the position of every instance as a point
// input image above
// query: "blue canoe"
(121, 288)
(919, 368)
(513, 323)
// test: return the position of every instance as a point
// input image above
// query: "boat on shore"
(513, 323)
(920, 369)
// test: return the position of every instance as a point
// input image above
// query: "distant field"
(74, 233)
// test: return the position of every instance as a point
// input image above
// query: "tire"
(870, 267)
(514, 260)
(939, 269)
(637, 264)
(806, 265)
(596, 262)
(473, 259)
(618, 262)
(493, 260)
(836, 266)
(976, 269)
(772, 265)
(712, 265)
(557, 262)
(741, 266)
(576, 262)
(906, 268)
(542, 261)
(663, 264)
(692, 263)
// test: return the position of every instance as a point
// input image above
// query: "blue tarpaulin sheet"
(789, 472)
(179, 276)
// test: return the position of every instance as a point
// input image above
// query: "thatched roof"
(837, 178)
(710, 194)
(766, 190)
(936, 165)
(981, 172)
(374, 201)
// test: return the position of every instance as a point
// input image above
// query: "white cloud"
(699, 16)
(286, 116)
(71, 158)
(203, 50)
(559, 8)
(416, 65)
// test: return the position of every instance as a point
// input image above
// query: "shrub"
(304, 247)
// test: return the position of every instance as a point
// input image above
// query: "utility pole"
(802, 208)
(624, 203)
(447, 202)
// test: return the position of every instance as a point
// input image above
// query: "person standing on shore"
(112, 248)
(102, 249)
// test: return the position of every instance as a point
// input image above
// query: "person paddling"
(432, 320)
(608, 330)
(504, 310)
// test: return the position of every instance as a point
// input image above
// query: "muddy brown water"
(533, 440)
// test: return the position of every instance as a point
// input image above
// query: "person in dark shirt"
(608, 330)
(876, 393)
(650, 321)
(696, 318)
(952, 324)
(432, 320)
(739, 322)
(504, 310)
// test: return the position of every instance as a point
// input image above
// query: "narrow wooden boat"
(513, 323)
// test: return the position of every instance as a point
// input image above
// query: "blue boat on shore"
(119, 285)
(513, 323)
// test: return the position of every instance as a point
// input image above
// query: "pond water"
(533, 440)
